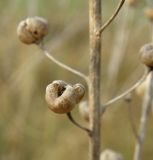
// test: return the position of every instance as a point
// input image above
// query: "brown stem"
(112, 17)
(69, 115)
(94, 77)
(143, 120)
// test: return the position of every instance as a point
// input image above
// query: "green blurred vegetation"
(28, 129)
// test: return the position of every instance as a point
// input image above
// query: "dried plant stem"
(50, 56)
(69, 115)
(112, 17)
(94, 78)
(143, 120)
(107, 104)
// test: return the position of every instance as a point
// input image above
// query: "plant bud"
(84, 110)
(146, 55)
(149, 13)
(62, 97)
(32, 30)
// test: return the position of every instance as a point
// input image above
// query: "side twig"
(143, 120)
(106, 105)
(112, 17)
(69, 115)
(50, 56)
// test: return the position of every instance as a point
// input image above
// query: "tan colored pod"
(62, 97)
(84, 110)
(131, 2)
(149, 13)
(32, 30)
(146, 55)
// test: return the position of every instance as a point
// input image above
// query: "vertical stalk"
(94, 77)
(144, 117)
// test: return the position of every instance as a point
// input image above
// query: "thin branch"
(112, 17)
(106, 105)
(50, 56)
(69, 115)
(144, 117)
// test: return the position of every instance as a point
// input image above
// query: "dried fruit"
(32, 30)
(84, 110)
(149, 13)
(146, 55)
(62, 97)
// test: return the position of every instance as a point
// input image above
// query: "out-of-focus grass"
(28, 130)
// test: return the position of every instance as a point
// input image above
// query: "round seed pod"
(149, 13)
(84, 110)
(32, 30)
(146, 55)
(62, 97)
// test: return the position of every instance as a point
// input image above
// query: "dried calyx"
(62, 97)
(32, 30)
(146, 55)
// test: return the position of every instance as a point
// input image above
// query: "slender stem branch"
(112, 17)
(143, 120)
(106, 105)
(69, 115)
(50, 56)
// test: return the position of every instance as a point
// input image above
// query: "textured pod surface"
(62, 97)
(84, 110)
(149, 13)
(146, 55)
(32, 30)
(109, 154)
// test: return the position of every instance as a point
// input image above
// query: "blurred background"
(28, 129)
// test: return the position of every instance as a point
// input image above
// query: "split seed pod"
(146, 55)
(32, 30)
(149, 13)
(62, 97)
(84, 110)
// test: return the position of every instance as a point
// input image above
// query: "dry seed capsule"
(146, 55)
(32, 30)
(84, 110)
(149, 13)
(62, 97)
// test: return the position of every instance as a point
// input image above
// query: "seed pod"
(84, 110)
(131, 2)
(149, 13)
(32, 30)
(62, 97)
(109, 154)
(146, 55)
